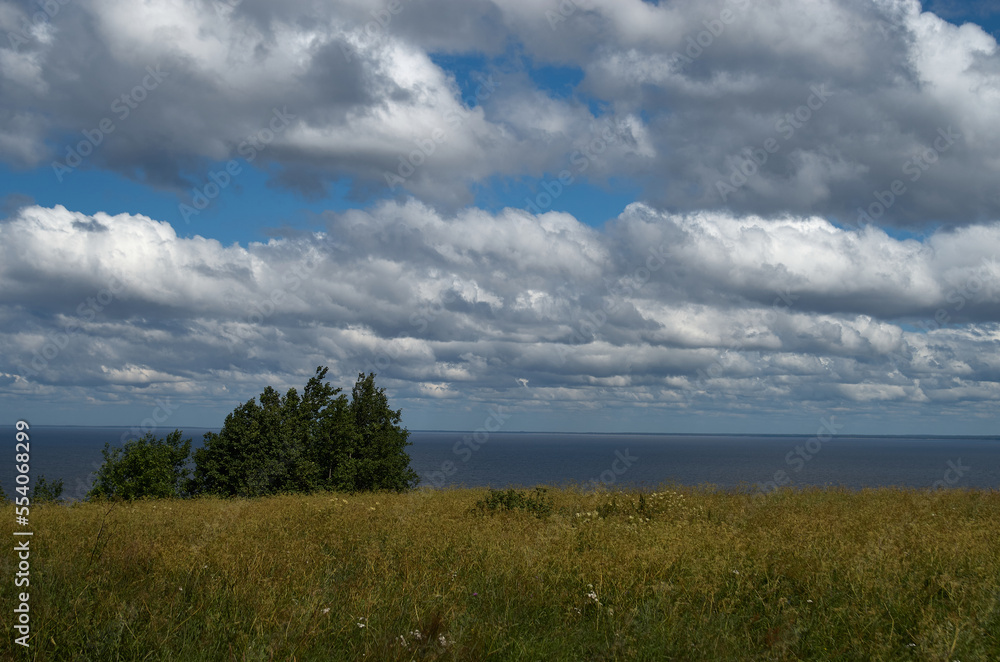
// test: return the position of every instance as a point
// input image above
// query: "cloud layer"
(815, 225)
(835, 99)
(681, 313)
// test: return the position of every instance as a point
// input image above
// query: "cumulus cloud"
(836, 99)
(674, 311)
(773, 147)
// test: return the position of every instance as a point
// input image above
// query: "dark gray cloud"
(845, 99)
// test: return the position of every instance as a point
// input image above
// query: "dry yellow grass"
(685, 575)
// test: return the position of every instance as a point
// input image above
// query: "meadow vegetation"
(564, 574)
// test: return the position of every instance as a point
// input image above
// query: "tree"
(330, 435)
(378, 459)
(145, 467)
(261, 449)
(296, 443)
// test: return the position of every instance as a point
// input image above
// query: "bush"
(145, 467)
(47, 492)
(539, 503)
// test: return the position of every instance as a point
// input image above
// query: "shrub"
(539, 503)
(145, 467)
(47, 492)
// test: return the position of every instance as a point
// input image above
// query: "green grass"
(684, 574)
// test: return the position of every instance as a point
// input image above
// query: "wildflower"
(326, 611)
(362, 622)
(416, 634)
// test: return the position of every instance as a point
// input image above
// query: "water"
(526, 459)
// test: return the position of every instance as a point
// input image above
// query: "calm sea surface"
(530, 458)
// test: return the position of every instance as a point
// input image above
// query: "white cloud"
(792, 313)
(366, 93)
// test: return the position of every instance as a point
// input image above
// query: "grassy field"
(681, 574)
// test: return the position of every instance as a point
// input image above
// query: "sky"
(720, 216)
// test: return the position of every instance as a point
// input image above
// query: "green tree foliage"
(300, 443)
(378, 459)
(145, 467)
(260, 450)
(47, 491)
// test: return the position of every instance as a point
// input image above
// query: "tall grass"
(682, 574)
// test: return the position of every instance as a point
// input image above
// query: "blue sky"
(481, 193)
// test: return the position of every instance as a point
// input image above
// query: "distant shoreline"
(163, 429)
